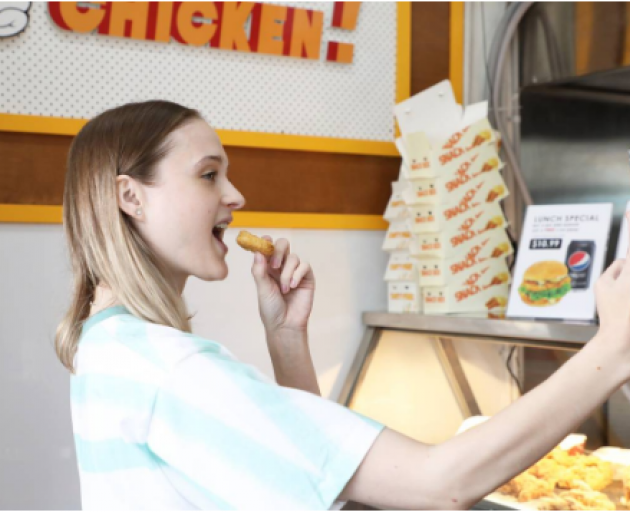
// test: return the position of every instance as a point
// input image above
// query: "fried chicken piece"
(533, 488)
(514, 486)
(547, 469)
(557, 503)
(509, 488)
(526, 486)
(253, 243)
(562, 457)
(625, 479)
(590, 500)
(594, 472)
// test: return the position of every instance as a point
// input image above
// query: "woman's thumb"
(259, 270)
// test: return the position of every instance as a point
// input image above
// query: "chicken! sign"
(273, 30)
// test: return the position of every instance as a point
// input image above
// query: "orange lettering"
(195, 33)
(455, 138)
(469, 222)
(233, 19)
(421, 165)
(446, 158)
(129, 19)
(69, 16)
(306, 34)
(469, 261)
(460, 239)
(464, 294)
(271, 29)
(424, 193)
(457, 182)
(164, 20)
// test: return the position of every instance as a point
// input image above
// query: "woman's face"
(185, 214)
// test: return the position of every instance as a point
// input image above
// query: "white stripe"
(130, 489)
(99, 422)
(118, 361)
(173, 346)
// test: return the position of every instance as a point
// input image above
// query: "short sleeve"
(229, 439)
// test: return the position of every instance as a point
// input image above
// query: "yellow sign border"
(62, 126)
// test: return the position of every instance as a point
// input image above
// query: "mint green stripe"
(103, 315)
(132, 333)
(113, 455)
(112, 391)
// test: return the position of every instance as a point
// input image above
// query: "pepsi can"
(580, 254)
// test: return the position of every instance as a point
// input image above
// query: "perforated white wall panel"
(46, 71)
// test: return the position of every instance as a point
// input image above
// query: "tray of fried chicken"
(569, 478)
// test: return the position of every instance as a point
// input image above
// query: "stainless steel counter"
(543, 334)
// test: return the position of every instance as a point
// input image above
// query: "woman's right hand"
(612, 296)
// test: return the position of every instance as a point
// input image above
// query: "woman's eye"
(210, 176)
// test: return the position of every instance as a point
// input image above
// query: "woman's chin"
(218, 272)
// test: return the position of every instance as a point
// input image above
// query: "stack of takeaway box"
(447, 232)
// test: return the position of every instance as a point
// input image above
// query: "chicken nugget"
(625, 479)
(562, 457)
(590, 500)
(514, 486)
(253, 243)
(553, 503)
(534, 488)
(595, 472)
(547, 469)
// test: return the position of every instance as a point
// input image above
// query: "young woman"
(164, 419)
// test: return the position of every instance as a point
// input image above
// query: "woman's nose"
(234, 198)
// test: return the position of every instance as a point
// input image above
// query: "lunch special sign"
(561, 255)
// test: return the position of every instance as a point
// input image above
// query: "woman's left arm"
(291, 359)
(286, 289)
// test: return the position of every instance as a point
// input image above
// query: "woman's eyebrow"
(209, 158)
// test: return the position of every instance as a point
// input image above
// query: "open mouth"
(219, 230)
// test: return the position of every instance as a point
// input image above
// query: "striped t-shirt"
(164, 419)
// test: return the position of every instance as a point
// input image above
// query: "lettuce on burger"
(545, 283)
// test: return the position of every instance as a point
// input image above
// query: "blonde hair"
(104, 246)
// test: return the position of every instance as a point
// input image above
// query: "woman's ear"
(129, 196)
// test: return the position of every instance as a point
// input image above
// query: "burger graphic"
(545, 283)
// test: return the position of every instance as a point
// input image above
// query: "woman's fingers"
(613, 271)
(286, 268)
(300, 273)
(625, 271)
(282, 250)
(290, 265)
